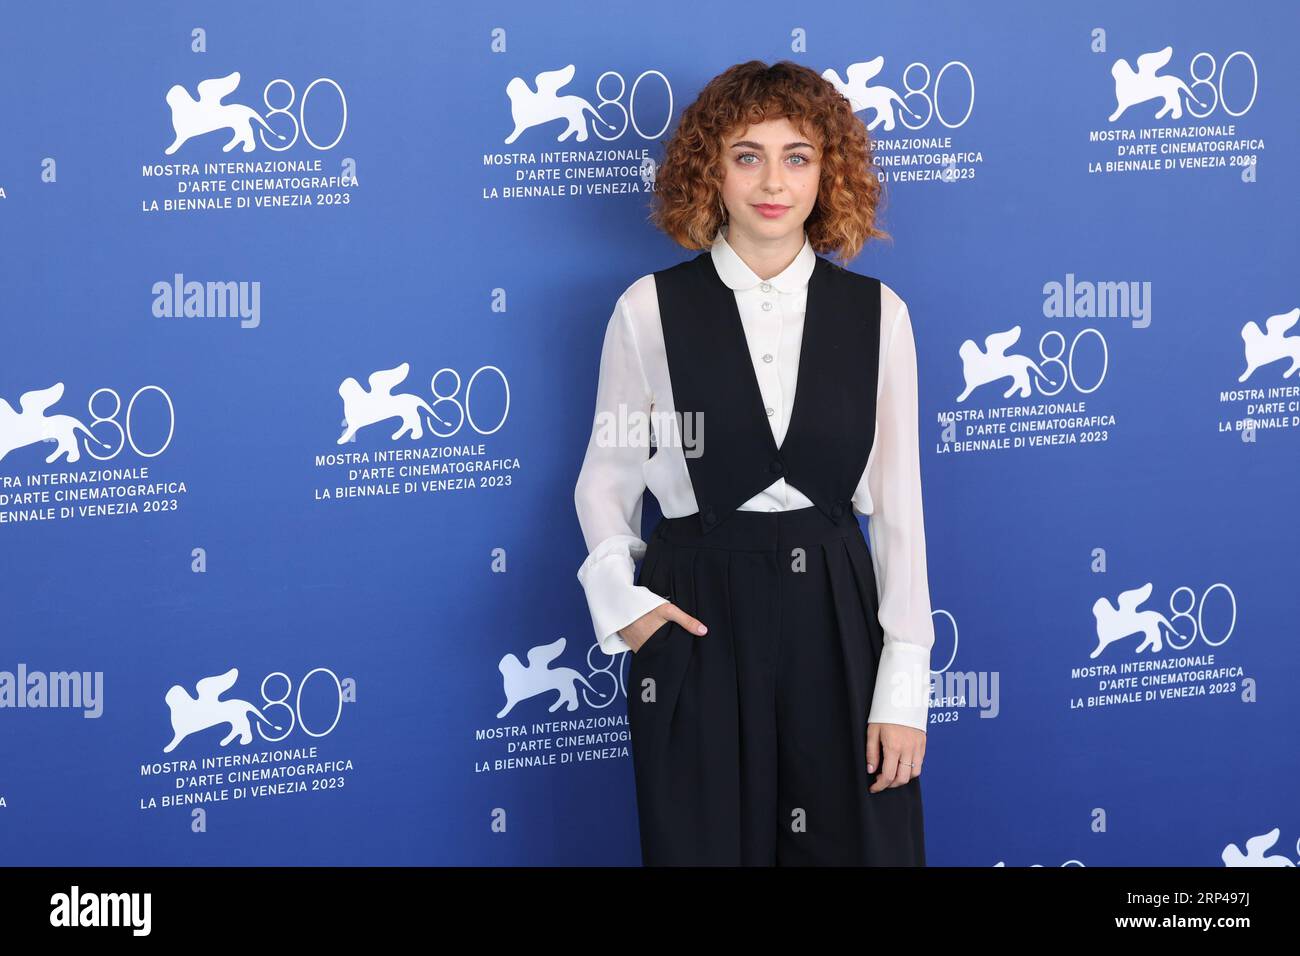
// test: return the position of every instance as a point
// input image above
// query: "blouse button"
(772, 509)
(767, 306)
(766, 287)
(770, 411)
(767, 356)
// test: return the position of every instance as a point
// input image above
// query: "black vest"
(829, 436)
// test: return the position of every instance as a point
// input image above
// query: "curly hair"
(686, 203)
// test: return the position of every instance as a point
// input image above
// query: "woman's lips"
(770, 210)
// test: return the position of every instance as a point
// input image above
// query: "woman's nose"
(774, 179)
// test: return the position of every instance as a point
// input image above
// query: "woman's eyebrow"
(750, 144)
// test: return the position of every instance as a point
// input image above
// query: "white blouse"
(634, 385)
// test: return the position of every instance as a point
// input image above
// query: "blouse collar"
(738, 276)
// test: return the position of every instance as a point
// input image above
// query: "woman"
(771, 677)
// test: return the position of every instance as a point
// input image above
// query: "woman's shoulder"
(891, 302)
(640, 299)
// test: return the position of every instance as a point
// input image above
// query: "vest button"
(709, 516)
(776, 467)
(837, 511)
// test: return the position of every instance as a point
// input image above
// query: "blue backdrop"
(1093, 216)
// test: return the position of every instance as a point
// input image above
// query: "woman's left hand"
(902, 745)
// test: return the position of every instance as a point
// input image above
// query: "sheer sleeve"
(611, 485)
(891, 494)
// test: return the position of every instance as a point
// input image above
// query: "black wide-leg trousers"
(749, 743)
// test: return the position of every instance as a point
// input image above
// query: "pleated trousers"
(749, 743)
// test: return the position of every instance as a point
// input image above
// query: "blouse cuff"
(902, 692)
(613, 600)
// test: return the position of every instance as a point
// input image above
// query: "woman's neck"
(765, 257)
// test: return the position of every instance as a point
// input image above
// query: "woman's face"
(770, 164)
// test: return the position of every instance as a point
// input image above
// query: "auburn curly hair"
(686, 203)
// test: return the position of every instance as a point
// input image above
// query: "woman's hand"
(639, 631)
(903, 745)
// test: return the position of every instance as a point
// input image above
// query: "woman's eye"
(803, 160)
